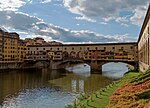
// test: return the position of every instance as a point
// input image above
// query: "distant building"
(35, 41)
(39, 41)
(29, 41)
(54, 43)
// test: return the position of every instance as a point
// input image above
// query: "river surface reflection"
(47, 89)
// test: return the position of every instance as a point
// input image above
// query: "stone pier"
(96, 67)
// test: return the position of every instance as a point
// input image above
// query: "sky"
(74, 21)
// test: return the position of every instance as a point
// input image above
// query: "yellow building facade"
(12, 48)
(1, 44)
(21, 50)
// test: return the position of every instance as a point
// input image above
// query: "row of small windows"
(15, 48)
(99, 57)
(88, 48)
(36, 57)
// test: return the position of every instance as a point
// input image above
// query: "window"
(65, 48)
(96, 48)
(57, 48)
(72, 48)
(88, 48)
(36, 48)
(43, 48)
(113, 47)
(131, 47)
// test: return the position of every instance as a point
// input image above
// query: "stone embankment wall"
(15, 66)
(10, 66)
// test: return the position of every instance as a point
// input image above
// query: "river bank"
(131, 91)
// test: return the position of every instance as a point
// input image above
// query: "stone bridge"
(95, 65)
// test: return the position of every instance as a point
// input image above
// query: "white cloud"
(138, 16)
(85, 18)
(122, 19)
(106, 9)
(78, 24)
(104, 23)
(8, 17)
(11, 5)
(125, 25)
(45, 1)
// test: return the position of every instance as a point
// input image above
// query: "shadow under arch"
(115, 70)
(131, 63)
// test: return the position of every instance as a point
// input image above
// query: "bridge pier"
(136, 66)
(96, 67)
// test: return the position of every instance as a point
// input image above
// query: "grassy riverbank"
(132, 91)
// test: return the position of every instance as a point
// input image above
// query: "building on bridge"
(107, 51)
(93, 54)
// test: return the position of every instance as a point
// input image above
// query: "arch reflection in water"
(77, 84)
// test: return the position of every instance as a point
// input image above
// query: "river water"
(53, 89)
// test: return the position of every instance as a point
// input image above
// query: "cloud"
(105, 9)
(85, 18)
(17, 20)
(103, 23)
(122, 19)
(11, 5)
(138, 16)
(30, 26)
(125, 25)
(45, 1)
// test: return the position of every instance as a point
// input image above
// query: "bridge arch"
(65, 54)
(95, 65)
(79, 54)
(73, 54)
